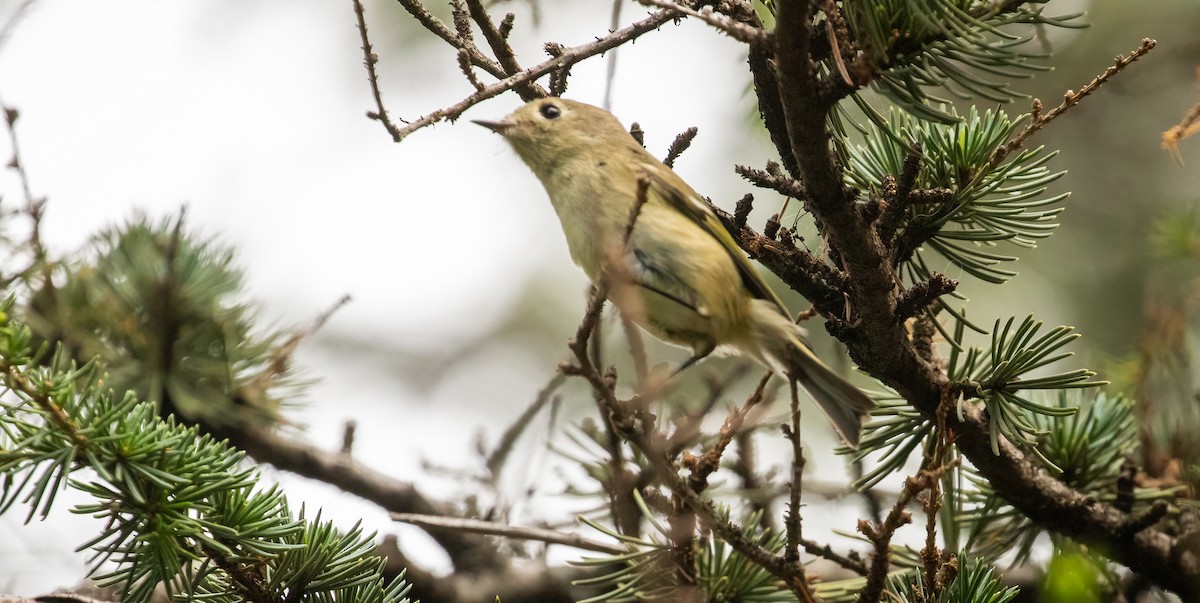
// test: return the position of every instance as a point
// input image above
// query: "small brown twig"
(369, 61)
(569, 57)
(637, 351)
(558, 77)
(35, 207)
(282, 356)
(466, 40)
(617, 417)
(916, 298)
(795, 486)
(439, 29)
(880, 536)
(1070, 99)
(349, 431)
(898, 195)
(497, 39)
(825, 551)
(791, 552)
(635, 131)
(610, 69)
(836, 49)
(499, 455)
(643, 187)
(773, 178)
(491, 528)
(704, 465)
(741, 32)
(679, 145)
(1189, 126)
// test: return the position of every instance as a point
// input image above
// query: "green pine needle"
(989, 205)
(957, 46)
(181, 511)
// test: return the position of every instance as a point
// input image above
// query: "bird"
(678, 273)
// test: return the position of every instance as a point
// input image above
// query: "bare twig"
(773, 178)
(643, 186)
(496, 460)
(14, 18)
(610, 70)
(439, 29)
(679, 145)
(466, 552)
(791, 553)
(881, 536)
(915, 299)
(738, 31)
(836, 49)
(1070, 99)
(558, 77)
(282, 355)
(1188, 126)
(825, 551)
(637, 350)
(498, 41)
(704, 465)
(34, 206)
(369, 61)
(569, 57)
(491, 528)
(349, 431)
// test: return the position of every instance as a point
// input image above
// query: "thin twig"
(349, 431)
(610, 70)
(14, 18)
(498, 42)
(704, 465)
(369, 61)
(679, 145)
(643, 187)
(738, 31)
(825, 551)
(34, 207)
(773, 178)
(1070, 99)
(439, 29)
(637, 351)
(466, 40)
(569, 56)
(283, 354)
(491, 528)
(881, 536)
(795, 487)
(467, 552)
(495, 460)
(837, 54)
(1187, 127)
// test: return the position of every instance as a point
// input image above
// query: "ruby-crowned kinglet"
(679, 275)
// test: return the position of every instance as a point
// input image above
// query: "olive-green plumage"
(680, 276)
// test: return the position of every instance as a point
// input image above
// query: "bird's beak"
(499, 126)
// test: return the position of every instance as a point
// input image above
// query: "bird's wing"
(648, 274)
(687, 202)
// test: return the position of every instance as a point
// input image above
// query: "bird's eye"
(550, 111)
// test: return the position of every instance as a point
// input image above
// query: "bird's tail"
(781, 341)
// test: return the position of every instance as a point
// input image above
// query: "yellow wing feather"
(674, 191)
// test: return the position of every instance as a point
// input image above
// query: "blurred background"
(252, 115)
